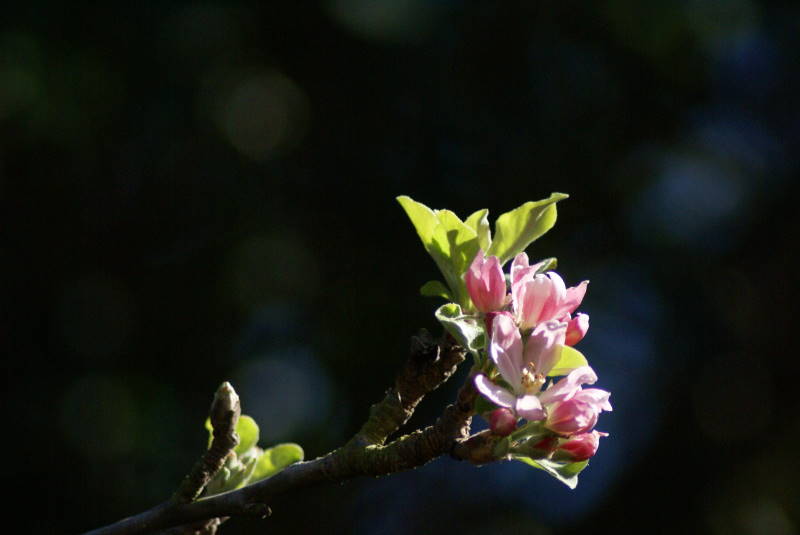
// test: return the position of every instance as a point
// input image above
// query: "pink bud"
(572, 416)
(576, 329)
(579, 447)
(502, 422)
(485, 283)
(579, 413)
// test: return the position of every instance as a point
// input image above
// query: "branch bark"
(428, 366)
(224, 414)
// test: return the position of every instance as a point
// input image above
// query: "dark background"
(196, 192)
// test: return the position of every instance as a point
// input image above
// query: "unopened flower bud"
(579, 413)
(572, 417)
(579, 447)
(485, 283)
(502, 422)
(576, 329)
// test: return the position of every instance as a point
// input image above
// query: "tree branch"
(428, 366)
(224, 414)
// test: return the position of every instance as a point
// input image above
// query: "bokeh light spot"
(285, 390)
(263, 114)
(393, 21)
(694, 202)
(20, 77)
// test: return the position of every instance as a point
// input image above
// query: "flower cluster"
(529, 328)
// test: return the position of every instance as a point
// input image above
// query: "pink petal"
(495, 284)
(530, 296)
(509, 366)
(496, 394)
(485, 283)
(572, 416)
(569, 385)
(574, 297)
(519, 267)
(595, 396)
(506, 334)
(576, 329)
(543, 347)
(529, 407)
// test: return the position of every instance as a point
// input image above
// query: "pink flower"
(522, 366)
(485, 283)
(579, 447)
(540, 297)
(576, 328)
(570, 409)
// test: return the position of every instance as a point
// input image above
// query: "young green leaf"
(276, 459)
(246, 428)
(567, 473)
(479, 222)
(515, 230)
(468, 330)
(435, 289)
(451, 243)
(570, 359)
(548, 264)
(422, 217)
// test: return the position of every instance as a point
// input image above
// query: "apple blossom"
(571, 409)
(523, 366)
(485, 283)
(538, 297)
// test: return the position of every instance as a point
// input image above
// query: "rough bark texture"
(429, 365)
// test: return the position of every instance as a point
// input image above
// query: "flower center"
(531, 381)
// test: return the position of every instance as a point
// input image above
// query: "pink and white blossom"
(538, 297)
(571, 409)
(486, 284)
(523, 366)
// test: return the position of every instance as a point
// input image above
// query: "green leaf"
(515, 230)
(468, 330)
(422, 217)
(567, 473)
(570, 359)
(276, 459)
(235, 472)
(451, 243)
(479, 222)
(243, 473)
(210, 429)
(246, 428)
(435, 289)
(548, 264)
